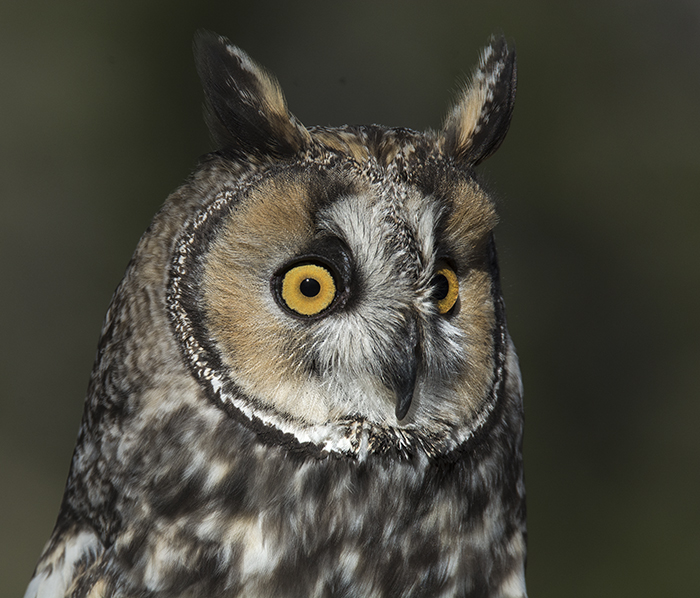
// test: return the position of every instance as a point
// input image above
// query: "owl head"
(330, 276)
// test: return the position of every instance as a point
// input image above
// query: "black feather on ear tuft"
(478, 123)
(245, 109)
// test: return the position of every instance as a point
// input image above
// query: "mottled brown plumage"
(357, 435)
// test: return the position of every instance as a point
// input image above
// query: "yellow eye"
(308, 289)
(445, 289)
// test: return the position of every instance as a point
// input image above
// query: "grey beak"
(403, 370)
(405, 387)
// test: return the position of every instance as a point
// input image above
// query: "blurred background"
(100, 118)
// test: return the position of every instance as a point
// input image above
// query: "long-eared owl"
(304, 385)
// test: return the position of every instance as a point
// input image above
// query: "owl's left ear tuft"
(479, 121)
(245, 108)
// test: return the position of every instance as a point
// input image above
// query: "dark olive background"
(100, 118)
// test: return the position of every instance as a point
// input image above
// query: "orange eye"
(308, 289)
(445, 289)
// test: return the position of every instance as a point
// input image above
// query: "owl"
(304, 385)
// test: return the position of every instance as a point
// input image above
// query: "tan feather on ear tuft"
(245, 108)
(479, 121)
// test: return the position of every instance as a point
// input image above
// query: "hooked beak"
(404, 389)
(404, 369)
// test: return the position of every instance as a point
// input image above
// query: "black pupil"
(310, 287)
(441, 287)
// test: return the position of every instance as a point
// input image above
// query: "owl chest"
(289, 527)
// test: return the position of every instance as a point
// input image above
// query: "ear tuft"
(245, 108)
(479, 121)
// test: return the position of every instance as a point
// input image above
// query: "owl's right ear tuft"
(245, 108)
